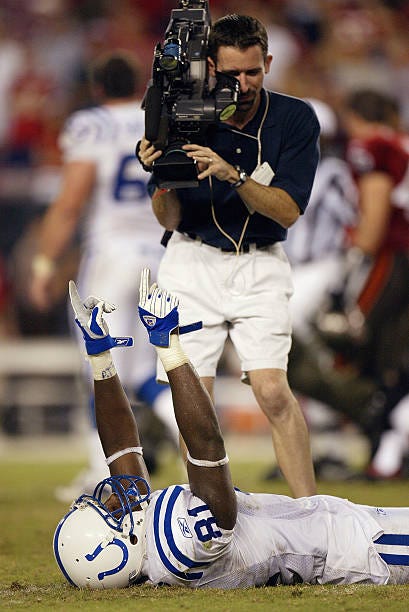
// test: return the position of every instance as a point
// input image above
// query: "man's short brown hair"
(241, 31)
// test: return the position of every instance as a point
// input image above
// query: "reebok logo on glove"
(125, 341)
(159, 328)
(149, 320)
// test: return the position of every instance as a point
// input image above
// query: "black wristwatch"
(242, 178)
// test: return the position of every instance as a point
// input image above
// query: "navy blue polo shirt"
(289, 142)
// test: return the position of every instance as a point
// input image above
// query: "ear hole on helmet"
(133, 539)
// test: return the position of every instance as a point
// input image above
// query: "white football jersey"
(121, 207)
(332, 208)
(276, 540)
(120, 234)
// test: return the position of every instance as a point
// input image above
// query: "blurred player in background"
(104, 194)
(315, 247)
(371, 307)
(315, 244)
(379, 157)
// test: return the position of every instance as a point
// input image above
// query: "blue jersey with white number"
(120, 207)
(276, 540)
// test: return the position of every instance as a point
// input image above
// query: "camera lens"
(171, 54)
(228, 111)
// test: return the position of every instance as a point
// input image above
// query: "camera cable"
(237, 245)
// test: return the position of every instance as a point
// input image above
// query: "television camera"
(180, 103)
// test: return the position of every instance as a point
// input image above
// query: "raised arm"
(207, 465)
(375, 190)
(58, 228)
(116, 424)
(101, 542)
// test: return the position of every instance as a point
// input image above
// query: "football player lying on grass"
(206, 533)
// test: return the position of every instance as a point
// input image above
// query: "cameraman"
(227, 233)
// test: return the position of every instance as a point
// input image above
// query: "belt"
(245, 248)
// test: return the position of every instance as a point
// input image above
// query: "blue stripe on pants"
(394, 539)
(395, 559)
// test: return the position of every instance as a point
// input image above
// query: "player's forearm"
(56, 232)
(117, 428)
(374, 202)
(197, 420)
(366, 241)
(195, 415)
(55, 235)
(115, 421)
(270, 202)
(166, 207)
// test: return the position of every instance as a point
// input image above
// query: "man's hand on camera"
(211, 164)
(147, 154)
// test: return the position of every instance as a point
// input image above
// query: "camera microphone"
(153, 111)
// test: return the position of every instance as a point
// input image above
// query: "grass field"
(30, 579)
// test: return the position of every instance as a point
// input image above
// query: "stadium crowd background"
(322, 49)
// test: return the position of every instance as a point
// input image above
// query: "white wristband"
(102, 365)
(172, 356)
(42, 266)
(124, 451)
(206, 463)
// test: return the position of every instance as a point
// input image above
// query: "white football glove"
(158, 310)
(89, 318)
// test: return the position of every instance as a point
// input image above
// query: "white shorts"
(245, 297)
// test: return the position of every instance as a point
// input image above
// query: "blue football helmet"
(101, 549)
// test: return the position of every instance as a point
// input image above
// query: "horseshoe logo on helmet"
(100, 548)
